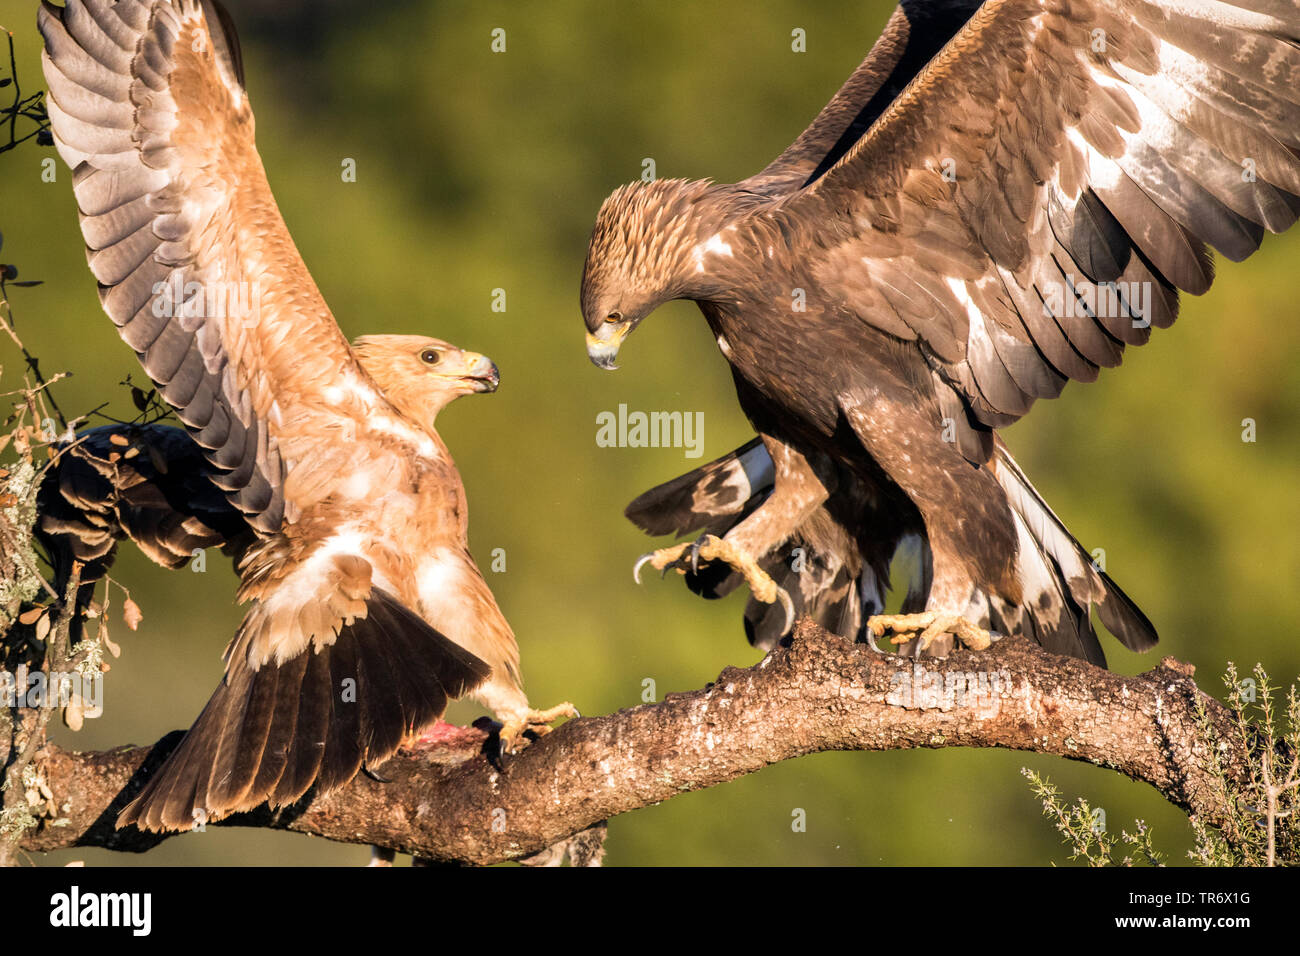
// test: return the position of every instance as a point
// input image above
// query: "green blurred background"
(478, 171)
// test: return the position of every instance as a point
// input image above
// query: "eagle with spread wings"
(999, 200)
(366, 612)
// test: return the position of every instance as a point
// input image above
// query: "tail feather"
(248, 721)
(1125, 619)
(315, 708)
(1049, 612)
(1061, 578)
(342, 759)
(270, 732)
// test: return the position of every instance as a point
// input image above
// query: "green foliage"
(1083, 829)
(1260, 825)
(1263, 825)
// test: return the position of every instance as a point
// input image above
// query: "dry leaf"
(118, 439)
(131, 614)
(43, 627)
(30, 616)
(112, 646)
(74, 714)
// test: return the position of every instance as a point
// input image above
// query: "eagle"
(998, 200)
(366, 612)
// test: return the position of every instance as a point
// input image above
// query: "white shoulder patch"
(714, 245)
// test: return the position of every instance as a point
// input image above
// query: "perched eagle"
(997, 201)
(366, 611)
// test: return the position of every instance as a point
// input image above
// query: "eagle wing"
(149, 483)
(1036, 197)
(194, 262)
(916, 31)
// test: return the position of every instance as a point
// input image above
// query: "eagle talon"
(708, 547)
(927, 626)
(788, 606)
(536, 722)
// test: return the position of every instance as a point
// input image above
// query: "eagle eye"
(614, 316)
(430, 356)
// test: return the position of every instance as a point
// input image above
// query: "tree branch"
(450, 803)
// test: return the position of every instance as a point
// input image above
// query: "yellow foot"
(538, 722)
(712, 548)
(930, 624)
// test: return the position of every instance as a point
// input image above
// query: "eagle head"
(639, 258)
(420, 375)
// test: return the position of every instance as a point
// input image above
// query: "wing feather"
(916, 31)
(193, 259)
(1073, 161)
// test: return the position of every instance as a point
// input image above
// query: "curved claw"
(788, 606)
(640, 563)
(871, 640)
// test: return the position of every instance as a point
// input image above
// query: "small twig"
(31, 360)
(21, 556)
(28, 108)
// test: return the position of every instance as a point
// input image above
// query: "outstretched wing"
(149, 483)
(917, 31)
(1037, 196)
(194, 262)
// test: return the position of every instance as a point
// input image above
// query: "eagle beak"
(602, 346)
(483, 373)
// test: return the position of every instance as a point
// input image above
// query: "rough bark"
(452, 803)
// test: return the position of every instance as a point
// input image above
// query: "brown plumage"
(366, 612)
(997, 201)
(150, 484)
